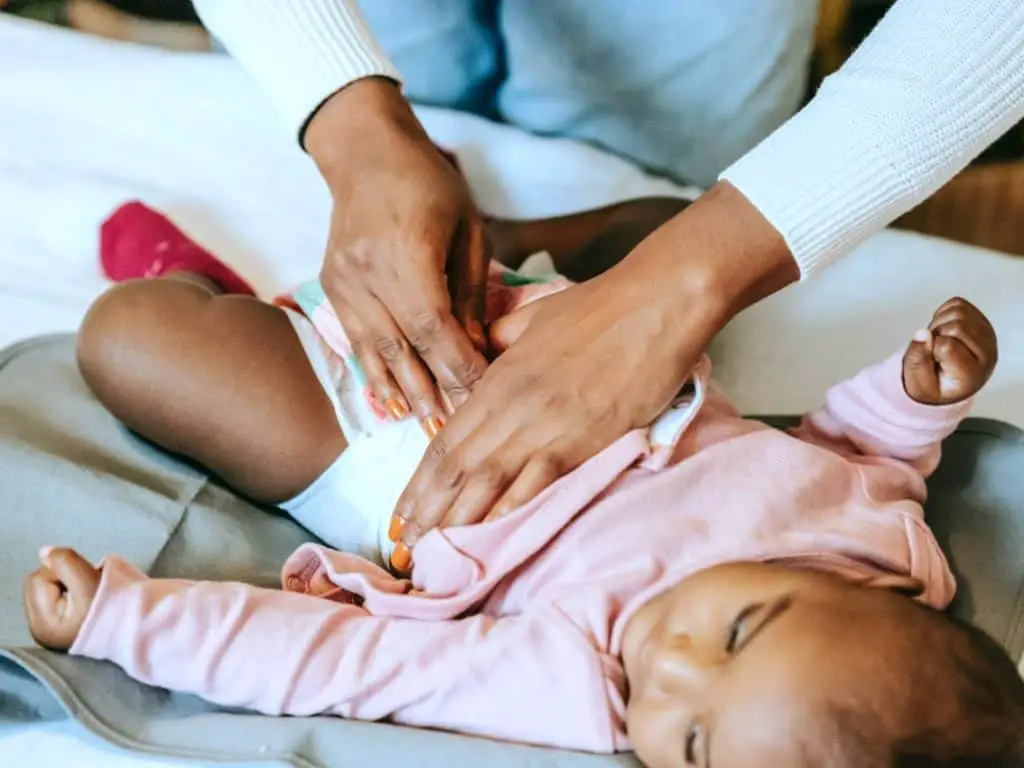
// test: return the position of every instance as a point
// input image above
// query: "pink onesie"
(512, 629)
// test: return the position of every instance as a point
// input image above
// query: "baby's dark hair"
(977, 720)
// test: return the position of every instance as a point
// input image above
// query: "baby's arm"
(906, 406)
(521, 678)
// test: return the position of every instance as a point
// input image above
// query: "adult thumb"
(506, 330)
(468, 282)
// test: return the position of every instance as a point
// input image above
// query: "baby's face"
(726, 668)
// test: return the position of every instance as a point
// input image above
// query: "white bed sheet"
(86, 124)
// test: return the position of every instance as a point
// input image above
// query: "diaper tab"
(665, 432)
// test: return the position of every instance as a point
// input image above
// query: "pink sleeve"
(526, 678)
(871, 414)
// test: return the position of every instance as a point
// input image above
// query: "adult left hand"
(598, 360)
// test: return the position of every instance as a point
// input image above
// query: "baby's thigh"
(222, 380)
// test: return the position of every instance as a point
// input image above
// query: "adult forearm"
(709, 263)
(299, 52)
(934, 84)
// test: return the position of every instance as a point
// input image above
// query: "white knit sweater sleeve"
(299, 51)
(934, 84)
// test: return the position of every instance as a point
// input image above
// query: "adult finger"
(344, 295)
(385, 388)
(450, 460)
(431, 491)
(426, 320)
(540, 472)
(394, 371)
(468, 282)
(449, 495)
(484, 486)
(506, 330)
(457, 363)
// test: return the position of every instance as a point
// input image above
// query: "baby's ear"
(904, 585)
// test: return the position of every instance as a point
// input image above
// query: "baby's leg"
(221, 379)
(585, 244)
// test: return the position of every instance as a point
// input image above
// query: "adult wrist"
(719, 254)
(372, 107)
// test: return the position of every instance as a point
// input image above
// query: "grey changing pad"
(72, 475)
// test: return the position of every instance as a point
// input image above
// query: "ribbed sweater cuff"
(299, 52)
(933, 85)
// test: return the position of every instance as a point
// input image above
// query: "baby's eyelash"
(737, 626)
(690, 747)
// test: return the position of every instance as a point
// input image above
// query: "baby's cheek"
(655, 732)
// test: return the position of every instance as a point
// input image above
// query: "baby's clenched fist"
(58, 596)
(953, 358)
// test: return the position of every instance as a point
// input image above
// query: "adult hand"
(406, 261)
(598, 360)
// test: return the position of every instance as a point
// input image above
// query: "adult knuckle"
(458, 389)
(530, 384)
(420, 398)
(360, 348)
(358, 255)
(426, 326)
(490, 473)
(468, 371)
(390, 348)
(451, 472)
(550, 464)
(558, 400)
(437, 451)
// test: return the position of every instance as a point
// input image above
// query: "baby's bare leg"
(585, 244)
(223, 380)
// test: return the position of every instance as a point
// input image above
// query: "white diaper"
(350, 505)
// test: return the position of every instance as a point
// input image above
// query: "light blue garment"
(683, 87)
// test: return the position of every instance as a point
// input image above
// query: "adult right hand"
(594, 361)
(406, 260)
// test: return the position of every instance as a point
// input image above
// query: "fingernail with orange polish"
(432, 426)
(396, 408)
(401, 558)
(396, 528)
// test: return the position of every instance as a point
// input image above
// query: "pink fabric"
(137, 241)
(512, 629)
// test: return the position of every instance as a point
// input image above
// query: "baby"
(725, 593)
